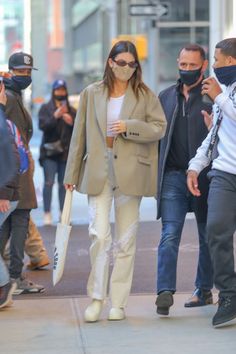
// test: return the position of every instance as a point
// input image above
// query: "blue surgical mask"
(226, 75)
(22, 81)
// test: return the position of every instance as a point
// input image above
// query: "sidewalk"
(56, 326)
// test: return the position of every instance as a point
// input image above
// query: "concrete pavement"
(56, 326)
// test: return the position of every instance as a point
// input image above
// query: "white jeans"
(124, 246)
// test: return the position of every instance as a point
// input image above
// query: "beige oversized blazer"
(135, 153)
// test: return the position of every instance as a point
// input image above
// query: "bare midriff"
(109, 141)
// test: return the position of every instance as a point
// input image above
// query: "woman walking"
(113, 157)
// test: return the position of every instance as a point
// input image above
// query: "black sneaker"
(163, 302)
(226, 311)
(200, 297)
(6, 292)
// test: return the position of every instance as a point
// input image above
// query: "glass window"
(171, 41)
(202, 10)
(11, 28)
(178, 10)
(202, 38)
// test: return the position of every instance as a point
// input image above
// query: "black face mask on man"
(190, 77)
(21, 81)
(226, 75)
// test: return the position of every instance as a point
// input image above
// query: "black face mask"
(189, 77)
(60, 98)
(22, 81)
(226, 75)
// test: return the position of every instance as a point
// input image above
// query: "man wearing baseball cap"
(17, 224)
(20, 66)
(21, 60)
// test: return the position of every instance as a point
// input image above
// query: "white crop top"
(113, 111)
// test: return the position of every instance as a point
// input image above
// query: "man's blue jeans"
(51, 168)
(176, 200)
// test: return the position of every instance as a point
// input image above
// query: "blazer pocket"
(144, 161)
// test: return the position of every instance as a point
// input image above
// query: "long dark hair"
(136, 79)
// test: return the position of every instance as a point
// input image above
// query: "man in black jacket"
(187, 120)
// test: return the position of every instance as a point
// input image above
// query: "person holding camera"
(56, 120)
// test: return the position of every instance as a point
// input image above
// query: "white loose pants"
(124, 245)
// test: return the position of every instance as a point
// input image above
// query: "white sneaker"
(47, 220)
(93, 311)
(116, 314)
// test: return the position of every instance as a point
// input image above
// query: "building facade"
(177, 22)
(71, 39)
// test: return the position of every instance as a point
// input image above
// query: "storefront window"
(202, 10)
(177, 10)
(171, 41)
(11, 28)
(202, 38)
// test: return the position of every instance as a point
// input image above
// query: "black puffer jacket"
(10, 190)
(54, 129)
(197, 133)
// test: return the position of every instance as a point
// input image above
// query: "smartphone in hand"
(64, 106)
(207, 99)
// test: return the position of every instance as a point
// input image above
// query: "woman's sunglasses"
(120, 62)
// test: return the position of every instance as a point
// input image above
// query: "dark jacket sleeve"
(10, 190)
(47, 121)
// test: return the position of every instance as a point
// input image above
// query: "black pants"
(221, 225)
(15, 227)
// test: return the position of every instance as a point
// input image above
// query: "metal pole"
(153, 56)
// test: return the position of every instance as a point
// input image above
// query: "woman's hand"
(118, 127)
(67, 118)
(60, 111)
(71, 187)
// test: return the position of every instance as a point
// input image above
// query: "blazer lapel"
(100, 100)
(129, 103)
